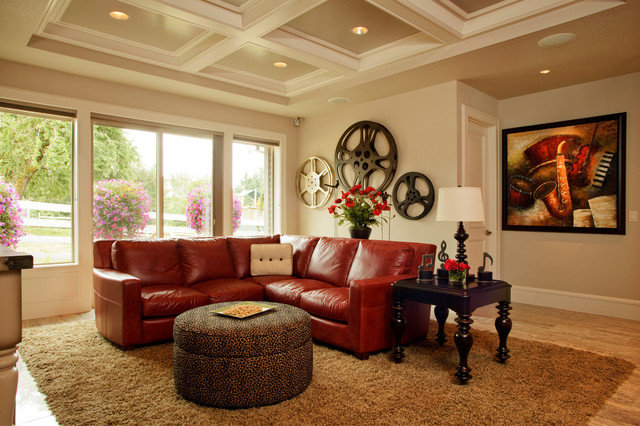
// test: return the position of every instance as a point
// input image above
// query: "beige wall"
(590, 273)
(424, 126)
(599, 265)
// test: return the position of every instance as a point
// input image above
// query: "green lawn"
(50, 232)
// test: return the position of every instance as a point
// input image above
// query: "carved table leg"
(464, 341)
(398, 323)
(442, 313)
(8, 384)
(503, 327)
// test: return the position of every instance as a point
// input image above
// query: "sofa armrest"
(118, 306)
(370, 312)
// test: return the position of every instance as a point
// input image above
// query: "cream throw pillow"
(271, 259)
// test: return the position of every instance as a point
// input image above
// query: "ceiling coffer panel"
(255, 60)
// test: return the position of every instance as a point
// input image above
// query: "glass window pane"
(35, 186)
(187, 168)
(251, 189)
(124, 190)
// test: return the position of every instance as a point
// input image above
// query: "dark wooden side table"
(463, 300)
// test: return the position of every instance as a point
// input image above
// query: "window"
(143, 174)
(253, 188)
(36, 172)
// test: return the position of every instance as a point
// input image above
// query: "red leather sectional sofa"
(140, 286)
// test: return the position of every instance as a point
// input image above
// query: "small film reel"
(408, 199)
(313, 182)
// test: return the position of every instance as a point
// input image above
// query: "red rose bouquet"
(360, 207)
(457, 270)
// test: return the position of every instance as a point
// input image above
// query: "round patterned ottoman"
(230, 362)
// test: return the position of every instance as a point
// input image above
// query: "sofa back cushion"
(331, 260)
(205, 259)
(240, 250)
(380, 259)
(303, 247)
(102, 254)
(154, 262)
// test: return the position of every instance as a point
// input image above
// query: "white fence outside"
(252, 220)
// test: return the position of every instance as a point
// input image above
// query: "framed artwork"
(567, 176)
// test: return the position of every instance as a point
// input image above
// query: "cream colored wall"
(424, 126)
(62, 289)
(598, 267)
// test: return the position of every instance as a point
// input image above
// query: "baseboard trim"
(578, 302)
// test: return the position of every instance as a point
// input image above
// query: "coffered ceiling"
(225, 50)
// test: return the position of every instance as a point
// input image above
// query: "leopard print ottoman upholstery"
(238, 363)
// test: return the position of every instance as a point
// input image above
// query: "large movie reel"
(366, 154)
(412, 195)
(313, 182)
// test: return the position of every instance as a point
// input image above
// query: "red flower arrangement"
(457, 270)
(360, 207)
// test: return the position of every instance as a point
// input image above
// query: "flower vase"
(457, 277)
(361, 232)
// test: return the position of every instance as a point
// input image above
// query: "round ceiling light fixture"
(556, 40)
(120, 16)
(338, 100)
(545, 72)
(359, 30)
(280, 64)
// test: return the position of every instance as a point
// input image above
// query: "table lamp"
(460, 204)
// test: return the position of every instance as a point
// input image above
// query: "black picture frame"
(566, 176)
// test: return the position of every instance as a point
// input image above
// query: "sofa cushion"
(170, 300)
(271, 259)
(205, 259)
(228, 289)
(303, 247)
(263, 280)
(154, 262)
(331, 303)
(240, 249)
(380, 259)
(289, 290)
(331, 260)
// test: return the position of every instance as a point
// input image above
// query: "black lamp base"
(461, 236)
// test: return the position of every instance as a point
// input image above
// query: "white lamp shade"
(460, 204)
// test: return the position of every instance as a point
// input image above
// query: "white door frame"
(491, 174)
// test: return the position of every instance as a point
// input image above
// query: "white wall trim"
(587, 303)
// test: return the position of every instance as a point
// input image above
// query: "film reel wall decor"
(314, 180)
(413, 195)
(366, 154)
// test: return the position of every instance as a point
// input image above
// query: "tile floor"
(31, 409)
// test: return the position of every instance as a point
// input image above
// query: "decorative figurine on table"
(483, 275)
(425, 270)
(443, 257)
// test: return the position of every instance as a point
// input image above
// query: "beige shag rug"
(88, 380)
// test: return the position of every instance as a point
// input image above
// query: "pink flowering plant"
(237, 213)
(198, 209)
(120, 209)
(360, 207)
(10, 215)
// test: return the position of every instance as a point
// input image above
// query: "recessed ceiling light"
(556, 40)
(545, 71)
(338, 100)
(120, 16)
(359, 30)
(280, 64)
